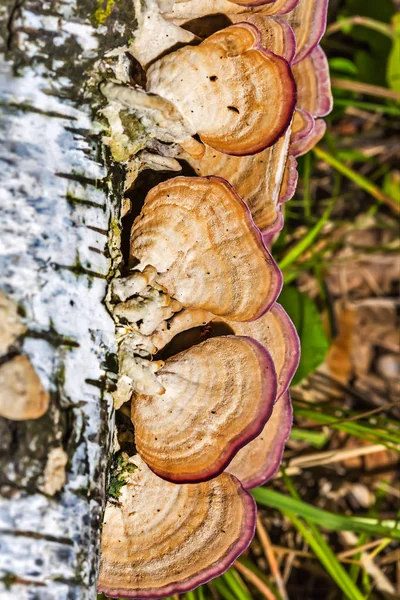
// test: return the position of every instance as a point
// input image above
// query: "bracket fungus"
(259, 461)
(218, 396)
(180, 85)
(200, 237)
(22, 395)
(162, 539)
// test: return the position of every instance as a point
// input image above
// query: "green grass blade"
(362, 182)
(223, 589)
(307, 240)
(327, 558)
(234, 583)
(324, 518)
(317, 439)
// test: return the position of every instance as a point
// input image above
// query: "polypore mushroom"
(22, 395)
(200, 237)
(308, 21)
(259, 461)
(11, 326)
(185, 10)
(256, 178)
(162, 539)
(218, 396)
(313, 83)
(252, 91)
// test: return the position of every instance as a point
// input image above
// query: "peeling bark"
(56, 210)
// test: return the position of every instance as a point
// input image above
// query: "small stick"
(270, 556)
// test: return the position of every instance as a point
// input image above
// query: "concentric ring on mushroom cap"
(200, 237)
(185, 10)
(236, 95)
(259, 461)
(218, 397)
(163, 539)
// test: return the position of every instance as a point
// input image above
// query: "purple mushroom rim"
(318, 28)
(274, 461)
(215, 570)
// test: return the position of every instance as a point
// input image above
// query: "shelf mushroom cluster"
(236, 89)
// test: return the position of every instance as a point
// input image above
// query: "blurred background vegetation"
(329, 523)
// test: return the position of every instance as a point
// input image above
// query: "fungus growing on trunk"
(22, 395)
(218, 397)
(259, 461)
(162, 539)
(200, 237)
(308, 21)
(252, 91)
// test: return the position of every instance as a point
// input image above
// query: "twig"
(365, 88)
(364, 22)
(256, 581)
(270, 556)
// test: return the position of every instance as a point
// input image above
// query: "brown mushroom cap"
(221, 68)
(200, 237)
(313, 83)
(259, 461)
(308, 141)
(22, 395)
(308, 20)
(257, 178)
(276, 332)
(185, 10)
(276, 34)
(218, 397)
(163, 539)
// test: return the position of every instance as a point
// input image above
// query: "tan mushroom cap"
(308, 20)
(313, 83)
(257, 178)
(162, 538)
(207, 82)
(185, 10)
(276, 332)
(11, 326)
(218, 397)
(22, 395)
(259, 461)
(200, 237)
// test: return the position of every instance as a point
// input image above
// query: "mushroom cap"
(22, 395)
(218, 397)
(307, 142)
(276, 34)
(257, 178)
(313, 83)
(259, 461)
(163, 539)
(276, 332)
(221, 68)
(200, 237)
(289, 182)
(185, 10)
(251, 3)
(308, 20)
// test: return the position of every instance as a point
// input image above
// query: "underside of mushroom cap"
(313, 83)
(162, 539)
(308, 20)
(221, 68)
(199, 235)
(218, 397)
(289, 182)
(259, 461)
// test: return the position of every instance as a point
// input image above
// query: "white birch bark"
(55, 213)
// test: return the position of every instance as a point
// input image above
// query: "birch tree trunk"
(56, 206)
